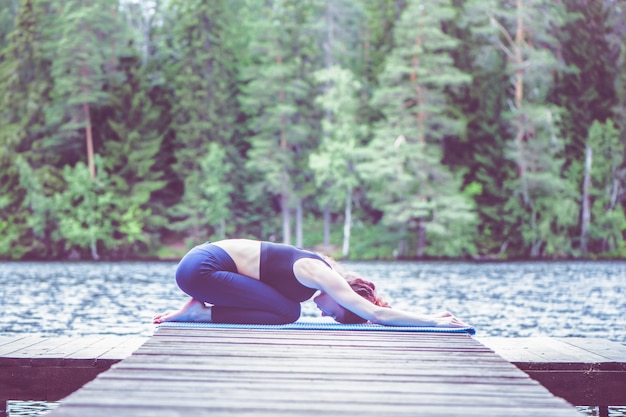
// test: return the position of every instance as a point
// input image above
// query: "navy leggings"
(207, 273)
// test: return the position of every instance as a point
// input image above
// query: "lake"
(513, 299)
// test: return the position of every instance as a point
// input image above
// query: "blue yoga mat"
(317, 324)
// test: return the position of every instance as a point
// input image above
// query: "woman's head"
(365, 289)
(331, 308)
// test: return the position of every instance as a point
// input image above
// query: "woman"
(253, 282)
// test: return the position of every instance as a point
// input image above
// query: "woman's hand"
(447, 319)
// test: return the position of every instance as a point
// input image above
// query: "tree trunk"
(284, 196)
(347, 223)
(586, 201)
(284, 205)
(327, 225)
(421, 240)
(89, 140)
(419, 93)
(299, 212)
(519, 101)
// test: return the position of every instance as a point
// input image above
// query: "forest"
(367, 129)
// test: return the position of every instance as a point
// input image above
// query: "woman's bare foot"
(194, 310)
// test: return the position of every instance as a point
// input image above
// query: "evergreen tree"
(525, 35)
(340, 34)
(604, 220)
(8, 12)
(617, 38)
(278, 101)
(409, 182)
(334, 162)
(205, 106)
(83, 213)
(28, 176)
(588, 92)
(85, 51)
(480, 150)
(382, 16)
(137, 126)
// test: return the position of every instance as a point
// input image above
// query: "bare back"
(245, 253)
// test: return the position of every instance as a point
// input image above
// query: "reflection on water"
(558, 299)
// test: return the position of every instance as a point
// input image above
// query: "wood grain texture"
(235, 372)
(583, 371)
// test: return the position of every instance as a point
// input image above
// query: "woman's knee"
(188, 273)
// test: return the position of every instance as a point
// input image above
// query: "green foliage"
(607, 217)
(27, 171)
(90, 215)
(81, 62)
(204, 113)
(282, 118)
(588, 90)
(7, 19)
(133, 145)
(206, 203)
(443, 128)
(333, 163)
(403, 164)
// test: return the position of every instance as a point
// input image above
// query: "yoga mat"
(317, 324)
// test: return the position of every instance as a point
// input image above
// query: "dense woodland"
(490, 129)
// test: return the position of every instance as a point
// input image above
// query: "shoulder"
(314, 273)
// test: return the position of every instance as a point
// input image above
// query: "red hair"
(367, 290)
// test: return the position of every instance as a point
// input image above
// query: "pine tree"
(28, 176)
(205, 109)
(480, 150)
(85, 52)
(588, 91)
(278, 101)
(133, 142)
(341, 37)
(404, 161)
(525, 36)
(603, 221)
(8, 12)
(334, 162)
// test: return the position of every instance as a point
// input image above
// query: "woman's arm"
(315, 274)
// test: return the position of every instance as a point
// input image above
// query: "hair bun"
(366, 289)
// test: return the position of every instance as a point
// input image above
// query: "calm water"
(557, 299)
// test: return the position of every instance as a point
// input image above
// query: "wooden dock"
(244, 372)
(583, 371)
(48, 369)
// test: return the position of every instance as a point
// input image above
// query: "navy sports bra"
(276, 269)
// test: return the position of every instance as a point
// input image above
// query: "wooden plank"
(268, 373)
(38, 368)
(124, 347)
(610, 351)
(583, 371)
(540, 350)
(19, 343)
(296, 378)
(5, 340)
(454, 408)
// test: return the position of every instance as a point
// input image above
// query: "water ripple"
(519, 299)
